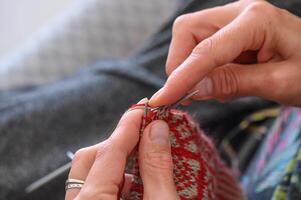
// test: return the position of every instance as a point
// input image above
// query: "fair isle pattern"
(198, 171)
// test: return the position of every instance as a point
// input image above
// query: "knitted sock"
(199, 173)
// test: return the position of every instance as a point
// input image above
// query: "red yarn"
(199, 173)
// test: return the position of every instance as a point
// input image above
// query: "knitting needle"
(188, 96)
(46, 179)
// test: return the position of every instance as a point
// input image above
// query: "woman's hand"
(247, 48)
(102, 166)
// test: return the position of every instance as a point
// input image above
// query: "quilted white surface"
(87, 32)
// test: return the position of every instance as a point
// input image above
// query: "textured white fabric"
(90, 30)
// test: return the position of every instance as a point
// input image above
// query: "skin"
(102, 166)
(246, 48)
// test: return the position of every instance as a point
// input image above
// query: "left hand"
(102, 166)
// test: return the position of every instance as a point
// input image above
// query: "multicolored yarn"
(275, 172)
(198, 171)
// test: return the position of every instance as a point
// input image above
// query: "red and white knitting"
(199, 173)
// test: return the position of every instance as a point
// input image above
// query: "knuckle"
(258, 7)
(225, 83)
(158, 161)
(102, 149)
(262, 10)
(80, 155)
(276, 77)
(181, 22)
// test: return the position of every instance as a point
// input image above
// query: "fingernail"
(159, 133)
(205, 88)
(143, 100)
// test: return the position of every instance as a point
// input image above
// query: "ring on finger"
(74, 184)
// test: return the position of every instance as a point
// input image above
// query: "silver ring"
(73, 184)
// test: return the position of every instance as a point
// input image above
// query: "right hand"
(246, 48)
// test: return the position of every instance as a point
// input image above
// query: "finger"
(190, 29)
(107, 171)
(249, 28)
(126, 134)
(155, 162)
(81, 164)
(234, 80)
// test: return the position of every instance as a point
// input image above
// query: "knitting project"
(199, 173)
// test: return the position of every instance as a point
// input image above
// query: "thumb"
(235, 80)
(155, 162)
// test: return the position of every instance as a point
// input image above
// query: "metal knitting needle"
(145, 109)
(46, 179)
(188, 96)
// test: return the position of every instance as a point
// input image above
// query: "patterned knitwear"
(199, 173)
